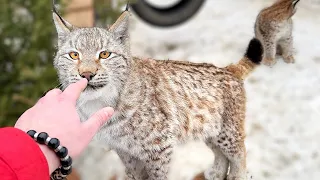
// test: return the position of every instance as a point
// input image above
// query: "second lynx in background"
(273, 27)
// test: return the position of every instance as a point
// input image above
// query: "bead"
(65, 158)
(47, 140)
(65, 171)
(31, 133)
(58, 148)
(35, 136)
(66, 168)
(67, 162)
(53, 143)
(63, 152)
(41, 139)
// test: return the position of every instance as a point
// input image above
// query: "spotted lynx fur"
(273, 27)
(158, 103)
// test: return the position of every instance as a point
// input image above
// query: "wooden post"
(80, 12)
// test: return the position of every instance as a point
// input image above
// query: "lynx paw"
(129, 177)
(214, 176)
(269, 62)
(248, 176)
(289, 59)
(236, 178)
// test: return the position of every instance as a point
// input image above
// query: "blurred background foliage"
(27, 47)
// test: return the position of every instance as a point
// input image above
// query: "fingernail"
(108, 111)
(84, 79)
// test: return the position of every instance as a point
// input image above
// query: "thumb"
(97, 120)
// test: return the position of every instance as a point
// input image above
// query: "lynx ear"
(62, 25)
(120, 27)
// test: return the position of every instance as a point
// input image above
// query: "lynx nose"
(87, 75)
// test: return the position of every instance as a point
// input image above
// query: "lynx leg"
(219, 169)
(286, 45)
(235, 152)
(269, 53)
(237, 165)
(134, 167)
(157, 165)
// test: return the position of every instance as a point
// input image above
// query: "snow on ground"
(283, 117)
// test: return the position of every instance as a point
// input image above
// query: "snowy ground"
(283, 108)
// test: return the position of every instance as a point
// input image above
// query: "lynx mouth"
(94, 86)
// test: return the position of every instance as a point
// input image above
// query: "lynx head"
(100, 55)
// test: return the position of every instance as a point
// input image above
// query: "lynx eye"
(104, 55)
(74, 55)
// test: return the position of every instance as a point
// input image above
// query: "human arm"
(56, 114)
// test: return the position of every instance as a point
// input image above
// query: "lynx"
(158, 103)
(273, 27)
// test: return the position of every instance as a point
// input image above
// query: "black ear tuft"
(254, 51)
(54, 9)
(294, 3)
(127, 6)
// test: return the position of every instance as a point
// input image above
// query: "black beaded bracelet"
(60, 151)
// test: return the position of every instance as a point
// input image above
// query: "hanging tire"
(168, 16)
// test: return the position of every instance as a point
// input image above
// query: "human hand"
(56, 114)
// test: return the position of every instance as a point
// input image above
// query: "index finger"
(74, 90)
